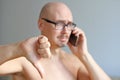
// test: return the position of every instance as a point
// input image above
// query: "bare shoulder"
(71, 58)
(74, 62)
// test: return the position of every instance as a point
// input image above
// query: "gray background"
(100, 19)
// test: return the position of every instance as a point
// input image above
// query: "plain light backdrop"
(100, 19)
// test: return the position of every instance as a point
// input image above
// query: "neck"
(55, 51)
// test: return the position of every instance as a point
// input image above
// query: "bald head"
(53, 8)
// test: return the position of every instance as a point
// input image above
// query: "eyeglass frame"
(65, 25)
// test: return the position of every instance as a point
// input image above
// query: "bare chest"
(18, 76)
(56, 70)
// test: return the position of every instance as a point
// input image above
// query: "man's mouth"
(63, 38)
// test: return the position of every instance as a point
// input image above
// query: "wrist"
(84, 56)
(18, 49)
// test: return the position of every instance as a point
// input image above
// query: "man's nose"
(65, 29)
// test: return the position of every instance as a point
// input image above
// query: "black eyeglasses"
(61, 25)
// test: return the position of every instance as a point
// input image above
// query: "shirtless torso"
(60, 67)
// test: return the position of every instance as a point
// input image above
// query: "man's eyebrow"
(63, 21)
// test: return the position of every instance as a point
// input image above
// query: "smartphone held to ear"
(73, 39)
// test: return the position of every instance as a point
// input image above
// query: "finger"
(44, 53)
(78, 31)
(42, 39)
(44, 45)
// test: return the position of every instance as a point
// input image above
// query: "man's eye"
(60, 24)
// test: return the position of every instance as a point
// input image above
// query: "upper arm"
(81, 71)
(21, 65)
(10, 67)
(83, 74)
(30, 70)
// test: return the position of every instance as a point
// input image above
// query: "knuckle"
(44, 53)
(42, 39)
(44, 45)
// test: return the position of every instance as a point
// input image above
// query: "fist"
(44, 47)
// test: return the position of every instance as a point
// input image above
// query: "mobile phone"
(73, 39)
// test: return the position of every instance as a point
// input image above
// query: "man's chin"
(62, 45)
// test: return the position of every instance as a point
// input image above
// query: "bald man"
(56, 24)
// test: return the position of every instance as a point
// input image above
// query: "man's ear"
(40, 24)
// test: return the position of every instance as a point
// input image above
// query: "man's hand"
(81, 47)
(36, 48)
(44, 47)
(28, 48)
(82, 53)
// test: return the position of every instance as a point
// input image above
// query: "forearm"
(10, 51)
(96, 73)
(11, 67)
(30, 71)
